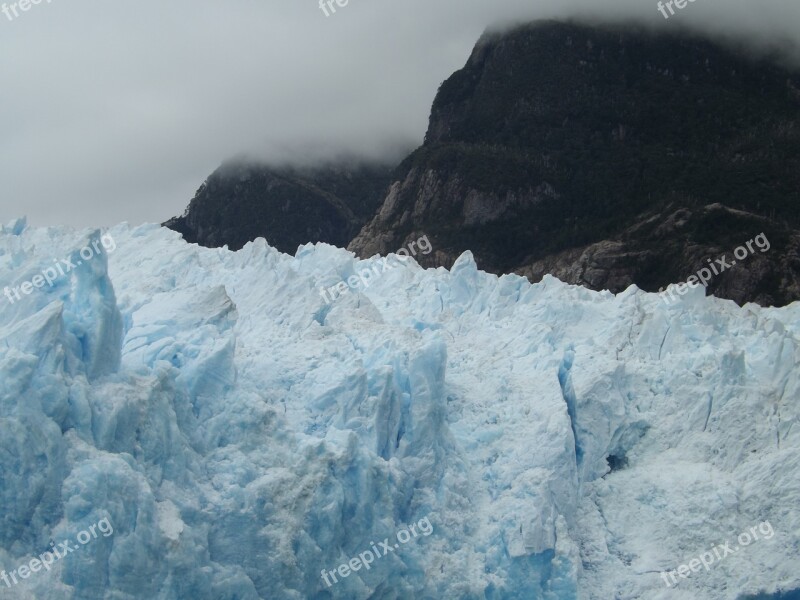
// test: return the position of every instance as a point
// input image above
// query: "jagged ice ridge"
(242, 435)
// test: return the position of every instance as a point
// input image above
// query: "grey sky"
(117, 111)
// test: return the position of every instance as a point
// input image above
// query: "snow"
(241, 434)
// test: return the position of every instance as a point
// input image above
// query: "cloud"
(118, 111)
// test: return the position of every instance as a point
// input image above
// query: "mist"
(116, 112)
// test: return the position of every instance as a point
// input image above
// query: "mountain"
(289, 206)
(606, 157)
(441, 434)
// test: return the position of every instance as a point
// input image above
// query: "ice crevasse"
(244, 436)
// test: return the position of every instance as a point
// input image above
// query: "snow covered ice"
(242, 435)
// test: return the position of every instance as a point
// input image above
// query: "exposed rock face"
(657, 244)
(603, 156)
(288, 207)
(607, 157)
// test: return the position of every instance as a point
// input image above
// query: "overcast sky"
(118, 110)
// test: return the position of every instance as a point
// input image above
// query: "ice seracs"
(242, 434)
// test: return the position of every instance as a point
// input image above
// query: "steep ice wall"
(243, 436)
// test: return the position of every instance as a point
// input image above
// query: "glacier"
(243, 436)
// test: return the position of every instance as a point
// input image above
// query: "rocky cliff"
(607, 157)
(288, 206)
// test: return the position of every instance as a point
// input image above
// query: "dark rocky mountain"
(603, 155)
(288, 206)
(607, 157)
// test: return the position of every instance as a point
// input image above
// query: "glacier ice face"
(242, 435)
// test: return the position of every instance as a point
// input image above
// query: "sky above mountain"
(118, 111)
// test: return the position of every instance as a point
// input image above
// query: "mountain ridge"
(556, 149)
(243, 200)
(551, 147)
